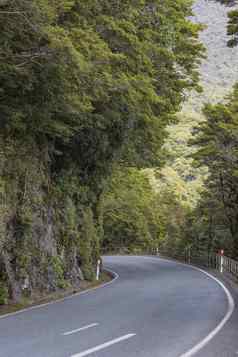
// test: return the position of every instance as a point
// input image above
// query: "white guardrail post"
(217, 261)
(227, 264)
(221, 261)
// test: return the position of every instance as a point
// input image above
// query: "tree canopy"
(85, 86)
(217, 142)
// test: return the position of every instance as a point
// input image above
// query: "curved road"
(156, 308)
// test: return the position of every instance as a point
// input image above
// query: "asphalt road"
(155, 308)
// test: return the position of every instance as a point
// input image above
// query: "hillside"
(217, 71)
(217, 78)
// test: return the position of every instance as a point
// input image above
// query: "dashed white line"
(104, 345)
(80, 329)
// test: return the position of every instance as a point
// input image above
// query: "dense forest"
(206, 161)
(88, 91)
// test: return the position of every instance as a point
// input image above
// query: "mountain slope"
(218, 75)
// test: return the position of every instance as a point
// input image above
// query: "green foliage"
(232, 28)
(217, 142)
(132, 216)
(3, 294)
(88, 245)
(178, 174)
(197, 215)
(84, 86)
(58, 269)
(91, 69)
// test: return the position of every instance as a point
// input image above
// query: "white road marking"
(80, 329)
(115, 277)
(104, 345)
(190, 353)
(231, 308)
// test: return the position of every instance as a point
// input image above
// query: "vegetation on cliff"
(85, 86)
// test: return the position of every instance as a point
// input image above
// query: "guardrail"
(230, 266)
(213, 261)
(190, 255)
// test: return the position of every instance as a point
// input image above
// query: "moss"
(23, 262)
(3, 294)
(88, 245)
(58, 269)
(43, 216)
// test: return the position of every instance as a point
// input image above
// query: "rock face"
(220, 70)
(47, 238)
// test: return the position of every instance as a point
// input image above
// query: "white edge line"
(231, 307)
(212, 334)
(191, 352)
(80, 329)
(115, 277)
(104, 345)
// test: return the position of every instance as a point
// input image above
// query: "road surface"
(155, 308)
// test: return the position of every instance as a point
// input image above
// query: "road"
(155, 308)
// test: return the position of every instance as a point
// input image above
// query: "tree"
(132, 217)
(86, 85)
(217, 141)
(232, 27)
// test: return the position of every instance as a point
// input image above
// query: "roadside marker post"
(221, 260)
(98, 269)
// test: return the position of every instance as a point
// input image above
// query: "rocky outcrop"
(41, 249)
